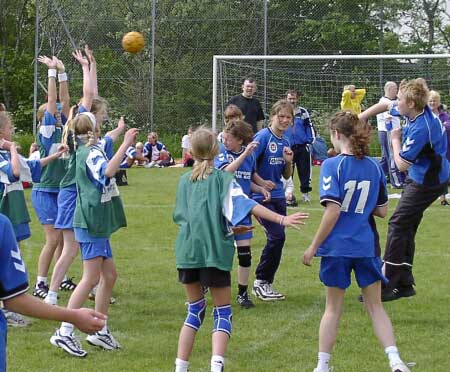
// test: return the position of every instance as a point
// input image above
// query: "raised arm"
(234, 165)
(92, 70)
(114, 163)
(64, 96)
(118, 131)
(51, 88)
(88, 93)
(376, 109)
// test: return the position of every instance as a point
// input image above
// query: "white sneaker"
(51, 301)
(306, 198)
(14, 319)
(104, 340)
(69, 344)
(400, 367)
(264, 291)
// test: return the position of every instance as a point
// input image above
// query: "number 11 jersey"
(358, 186)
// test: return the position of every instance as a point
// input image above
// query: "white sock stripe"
(398, 264)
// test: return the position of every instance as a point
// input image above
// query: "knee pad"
(196, 314)
(244, 256)
(222, 319)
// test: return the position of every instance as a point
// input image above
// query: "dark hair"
(250, 80)
(239, 129)
(292, 92)
(348, 124)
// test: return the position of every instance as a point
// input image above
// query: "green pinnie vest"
(101, 213)
(53, 172)
(204, 239)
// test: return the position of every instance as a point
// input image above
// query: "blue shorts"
(92, 247)
(99, 248)
(46, 206)
(22, 231)
(247, 221)
(67, 201)
(336, 271)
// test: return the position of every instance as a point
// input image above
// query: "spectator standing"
(301, 135)
(385, 123)
(249, 105)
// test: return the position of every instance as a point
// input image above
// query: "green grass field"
(271, 337)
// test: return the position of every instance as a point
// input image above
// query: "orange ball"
(133, 42)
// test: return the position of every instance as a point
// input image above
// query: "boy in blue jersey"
(273, 160)
(423, 155)
(301, 135)
(13, 288)
(353, 191)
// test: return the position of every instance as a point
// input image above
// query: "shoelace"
(268, 288)
(73, 341)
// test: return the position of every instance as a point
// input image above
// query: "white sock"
(66, 329)
(393, 355)
(181, 365)
(104, 329)
(217, 362)
(52, 298)
(41, 279)
(322, 361)
(65, 278)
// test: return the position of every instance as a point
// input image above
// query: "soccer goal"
(319, 79)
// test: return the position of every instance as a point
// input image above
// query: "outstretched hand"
(82, 60)
(88, 320)
(59, 65)
(49, 62)
(295, 219)
(89, 54)
(121, 124)
(251, 147)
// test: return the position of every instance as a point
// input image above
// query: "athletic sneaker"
(306, 198)
(397, 293)
(40, 290)
(67, 285)
(400, 367)
(244, 301)
(104, 340)
(264, 291)
(15, 319)
(69, 344)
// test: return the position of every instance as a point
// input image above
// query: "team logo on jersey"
(326, 183)
(230, 158)
(407, 144)
(273, 148)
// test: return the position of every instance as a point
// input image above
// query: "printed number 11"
(350, 187)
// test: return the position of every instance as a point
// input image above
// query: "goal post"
(319, 79)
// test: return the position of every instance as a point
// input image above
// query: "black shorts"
(207, 276)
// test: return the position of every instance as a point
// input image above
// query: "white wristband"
(52, 73)
(62, 77)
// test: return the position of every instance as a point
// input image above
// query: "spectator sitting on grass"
(153, 148)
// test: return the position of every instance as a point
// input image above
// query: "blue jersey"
(358, 186)
(424, 148)
(244, 173)
(13, 277)
(129, 154)
(269, 160)
(301, 132)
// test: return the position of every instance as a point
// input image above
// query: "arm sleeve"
(221, 160)
(13, 273)
(107, 145)
(96, 165)
(329, 184)
(360, 94)
(6, 172)
(47, 131)
(416, 138)
(35, 169)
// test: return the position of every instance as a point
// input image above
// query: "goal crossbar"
(218, 58)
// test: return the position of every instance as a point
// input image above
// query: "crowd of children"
(233, 177)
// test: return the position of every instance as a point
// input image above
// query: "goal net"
(319, 80)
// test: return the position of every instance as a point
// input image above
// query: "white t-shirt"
(381, 118)
(185, 142)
